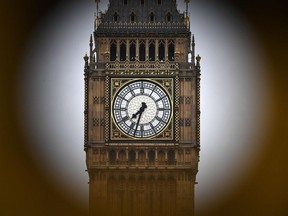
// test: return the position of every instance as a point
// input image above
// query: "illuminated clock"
(142, 109)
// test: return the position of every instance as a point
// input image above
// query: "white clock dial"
(142, 109)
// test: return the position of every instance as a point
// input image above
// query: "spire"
(91, 47)
(193, 49)
(97, 14)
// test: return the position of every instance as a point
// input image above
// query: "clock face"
(142, 109)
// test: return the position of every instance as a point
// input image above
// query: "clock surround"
(168, 86)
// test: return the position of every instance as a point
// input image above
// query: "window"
(142, 50)
(171, 50)
(161, 50)
(142, 2)
(122, 51)
(152, 17)
(152, 50)
(132, 156)
(151, 156)
(113, 50)
(159, 2)
(125, 2)
(115, 17)
(171, 157)
(169, 17)
(132, 50)
(132, 17)
(112, 156)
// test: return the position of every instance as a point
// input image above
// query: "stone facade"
(137, 40)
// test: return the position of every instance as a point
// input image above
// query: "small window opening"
(113, 50)
(115, 17)
(142, 2)
(151, 156)
(133, 17)
(122, 51)
(171, 51)
(159, 2)
(132, 156)
(152, 17)
(161, 50)
(125, 2)
(152, 51)
(112, 156)
(132, 51)
(169, 17)
(142, 50)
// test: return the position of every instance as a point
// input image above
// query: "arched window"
(113, 50)
(142, 50)
(171, 50)
(152, 50)
(112, 156)
(171, 157)
(132, 156)
(169, 17)
(161, 50)
(132, 50)
(115, 17)
(133, 17)
(152, 17)
(161, 158)
(122, 50)
(151, 156)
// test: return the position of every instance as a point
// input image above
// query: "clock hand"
(141, 110)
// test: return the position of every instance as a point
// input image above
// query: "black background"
(25, 191)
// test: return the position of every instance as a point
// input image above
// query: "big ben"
(142, 110)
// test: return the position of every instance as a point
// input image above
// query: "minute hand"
(140, 113)
(141, 110)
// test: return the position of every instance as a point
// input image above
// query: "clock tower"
(142, 107)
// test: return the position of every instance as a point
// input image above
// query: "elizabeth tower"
(142, 110)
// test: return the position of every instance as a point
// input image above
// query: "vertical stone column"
(156, 49)
(137, 49)
(127, 50)
(147, 50)
(166, 49)
(118, 50)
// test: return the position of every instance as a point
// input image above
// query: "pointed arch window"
(112, 156)
(132, 17)
(152, 50)
(161, 50)
(152, 17)
(171, 50)
(132, 50)
(142, 50)
(151, 156)
(122, 50)
(171, 157)
(115, 17)
(132, 156)
(113, 50)
(169, 17)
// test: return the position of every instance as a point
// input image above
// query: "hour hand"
(142, 108)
